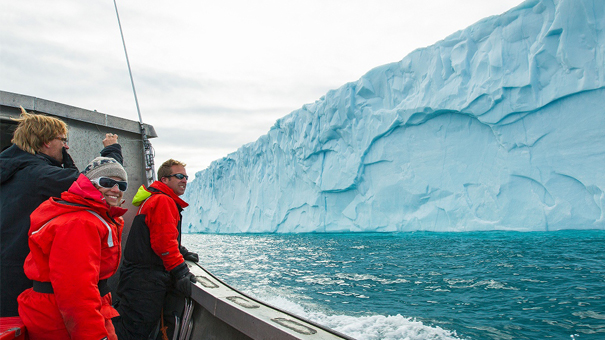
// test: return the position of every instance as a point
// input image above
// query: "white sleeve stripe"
(44, 225)
(109, 238)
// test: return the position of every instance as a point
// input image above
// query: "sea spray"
(371, 327)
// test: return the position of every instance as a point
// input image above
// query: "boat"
(215, 310)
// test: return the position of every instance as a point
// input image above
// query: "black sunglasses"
(178, 176)
(110, 183)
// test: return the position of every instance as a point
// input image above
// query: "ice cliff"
(499, 126)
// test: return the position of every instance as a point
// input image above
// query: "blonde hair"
(35, 130)
(165, 169)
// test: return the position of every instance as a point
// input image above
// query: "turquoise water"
(476, 285)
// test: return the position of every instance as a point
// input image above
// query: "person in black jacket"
(153, 266)
(35, 168)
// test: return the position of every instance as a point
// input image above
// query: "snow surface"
(499, 126)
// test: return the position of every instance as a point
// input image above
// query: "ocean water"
(422, 285)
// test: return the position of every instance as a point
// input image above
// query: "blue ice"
(499, 126)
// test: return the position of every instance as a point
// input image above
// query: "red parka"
(160, 207)
(74, 242)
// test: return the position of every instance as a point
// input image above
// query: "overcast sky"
(212, 76)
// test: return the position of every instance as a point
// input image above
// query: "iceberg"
(500, 126)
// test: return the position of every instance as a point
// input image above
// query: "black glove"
(183, 279)
(188, 255)
(193, 257)
(68, 162)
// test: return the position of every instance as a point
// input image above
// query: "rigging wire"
(148, 153)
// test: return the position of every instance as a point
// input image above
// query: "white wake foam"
(373, 327)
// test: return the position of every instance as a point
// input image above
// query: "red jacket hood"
(166, 189)
(83, 193)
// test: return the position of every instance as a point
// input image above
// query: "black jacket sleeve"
(114, 151)
(68, 162)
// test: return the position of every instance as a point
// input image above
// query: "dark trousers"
(12, 283)
(140, 298)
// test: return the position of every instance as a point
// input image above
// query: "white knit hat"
(105, 167)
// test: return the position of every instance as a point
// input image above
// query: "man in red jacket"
(154, 260)
(75, 245)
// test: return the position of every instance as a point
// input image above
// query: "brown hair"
(34, 130)
(165, 169)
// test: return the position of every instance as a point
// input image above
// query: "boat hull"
(222, 312)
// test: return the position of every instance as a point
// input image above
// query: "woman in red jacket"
(75, 245)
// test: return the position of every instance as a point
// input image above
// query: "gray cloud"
(211, 76)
